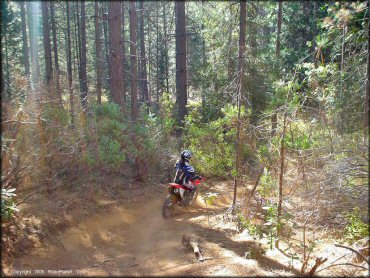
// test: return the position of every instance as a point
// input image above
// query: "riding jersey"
(184, 171)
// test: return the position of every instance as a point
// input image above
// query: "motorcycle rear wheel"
(168, 206)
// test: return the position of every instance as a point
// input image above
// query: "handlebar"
(199, 178)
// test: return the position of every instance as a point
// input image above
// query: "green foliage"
(356, 228)
(55, 115)
(212, 144)
(210, 197)
(271, 223)
(168, 122)
(253, 229)
(108, 134)
(8, 206)
(114, 145)
(301, 136)
(268, 184)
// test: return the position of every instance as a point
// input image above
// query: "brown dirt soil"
(129, 237)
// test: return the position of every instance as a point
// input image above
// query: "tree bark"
(367, 84)
(106, 48)
(342, 59)
(277, 55)
(55, 49)
(123, 51)
(157, 53)
(181, 78)
(75, 53)
(241, 91)
(133, 60)
(26, 58)
(78, 42)
(47, 44)
(69, 66)
(165, 45)
(230, 60)
(149, 57)
(99, 58)
(144, 76)
(279, 21)
(32, 13)
(83, 59)
(7, 75)
(281, 179)
(243, 25)
(115, 55)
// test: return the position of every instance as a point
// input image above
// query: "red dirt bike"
(180, 195)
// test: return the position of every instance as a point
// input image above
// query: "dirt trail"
(134, 239)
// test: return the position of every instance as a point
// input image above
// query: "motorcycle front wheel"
(195, 195)
(168, 207)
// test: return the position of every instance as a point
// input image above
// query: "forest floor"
(116, 230)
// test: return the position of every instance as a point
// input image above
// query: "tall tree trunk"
(165, 45)
(75, 53)
(230, 60)
(78, 42)
(367, 84)
(106, 48)
(32, 15)
(47, 44)
(342, 59)
(143, 57)
(157, 53)
(277, 55)
(99, 58)
(55, 49)
(115, 39)
(3, 87)
(7, 76)
(69, 66)
(243, 25)
(279, 21)
(149, 57)
(281, 179)
(83, 59)
(181, 78)
(133, 59)
(123, 51)
(26, 58)
(241, 94)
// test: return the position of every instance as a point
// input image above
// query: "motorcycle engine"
(188, 196)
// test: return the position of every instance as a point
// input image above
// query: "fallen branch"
(353, 250)
(18, 122)
(350, 264)
(191, 243)
(24, 200)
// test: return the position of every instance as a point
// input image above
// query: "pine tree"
(134, 107)
(181, 78)
(115, 55)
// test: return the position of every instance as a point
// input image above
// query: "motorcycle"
(180, 195)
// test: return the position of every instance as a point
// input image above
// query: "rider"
(184, 171)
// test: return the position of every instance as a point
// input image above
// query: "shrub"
(356, 228)
(8, 206)
(212, 144)
(106, 137)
